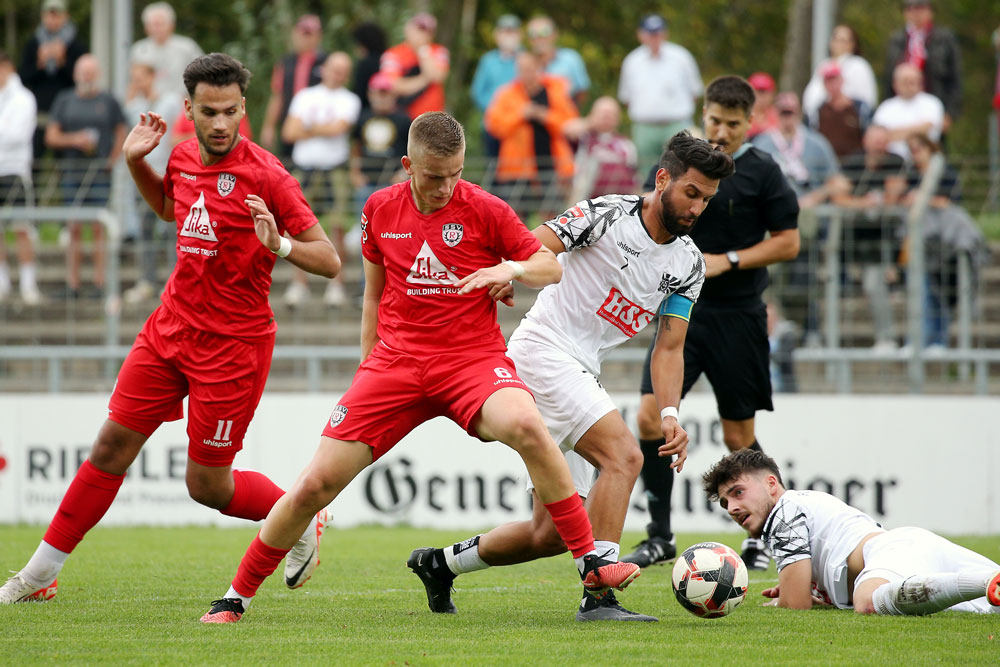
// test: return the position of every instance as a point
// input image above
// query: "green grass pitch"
(134, 595)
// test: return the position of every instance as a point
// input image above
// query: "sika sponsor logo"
(198, 223)
(628, 317)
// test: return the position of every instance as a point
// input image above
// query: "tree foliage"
(725, 36)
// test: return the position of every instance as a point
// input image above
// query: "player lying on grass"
(211, 338)
(829, 553)
(626, 260)
(436, 248)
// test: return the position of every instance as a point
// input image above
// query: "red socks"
(254, 496)
(89, 496)
(259, 562)
(573, 525)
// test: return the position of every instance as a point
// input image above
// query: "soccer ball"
(710, 579)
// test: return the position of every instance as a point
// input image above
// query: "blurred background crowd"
(559, 105)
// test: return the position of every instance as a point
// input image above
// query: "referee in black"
(752, 222)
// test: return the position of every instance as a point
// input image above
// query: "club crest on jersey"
(339, 413)
(669, 284)
(451, 234)
(226, 183)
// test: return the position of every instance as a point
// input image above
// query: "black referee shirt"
(755, 200)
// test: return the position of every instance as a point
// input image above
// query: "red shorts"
(394, 392)
(223, 376)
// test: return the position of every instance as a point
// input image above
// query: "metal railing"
(839, 360)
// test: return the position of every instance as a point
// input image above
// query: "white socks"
(231, 594)
(603, 549)
(927, 594)
(463, 556)
(44, 565)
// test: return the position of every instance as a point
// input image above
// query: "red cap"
(762, 81)
(380, 81)
(830, 70)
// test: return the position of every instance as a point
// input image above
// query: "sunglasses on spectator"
(540, 32)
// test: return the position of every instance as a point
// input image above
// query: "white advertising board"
(927, 461)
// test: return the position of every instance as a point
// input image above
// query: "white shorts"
(569, 397)
(905, 552)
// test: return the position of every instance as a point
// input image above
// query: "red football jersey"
(421, 311)
(223, 273)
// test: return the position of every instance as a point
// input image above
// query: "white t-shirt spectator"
(318, 105)
(169, 59)
(18, 116)
(660, 89)
(896, 113)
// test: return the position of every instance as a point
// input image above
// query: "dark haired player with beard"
(626, 260)
(751, 223)
(211, 338)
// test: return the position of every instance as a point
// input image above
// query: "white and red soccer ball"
(710, 579)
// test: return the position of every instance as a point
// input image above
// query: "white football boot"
(303, 559)
(18, 590)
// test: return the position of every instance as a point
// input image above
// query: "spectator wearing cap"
(809, 164)
(840, 119)
(496, 68)
(911, 111)
(660, 82)
(558, 61)
(933, 50)
(765, 116)
(169, 52)
(805, 156)
(859, 80)
(418, 67)
(296, 70)
(17, 125)
(370, 44)
(47, 62)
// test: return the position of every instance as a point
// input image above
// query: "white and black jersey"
(613, 289)
(816, 525)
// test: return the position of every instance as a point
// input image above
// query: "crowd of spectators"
(340, 122)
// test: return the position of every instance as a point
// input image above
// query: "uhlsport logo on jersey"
(630, 318)
(198, 223)
(339, 413)
(226, 183)
(452, 234)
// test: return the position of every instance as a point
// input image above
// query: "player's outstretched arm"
(794, 589)
(539, 270)
(311, 249)
(143, 138)
(667, 371)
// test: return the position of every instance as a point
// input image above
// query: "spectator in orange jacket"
(528, 116)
